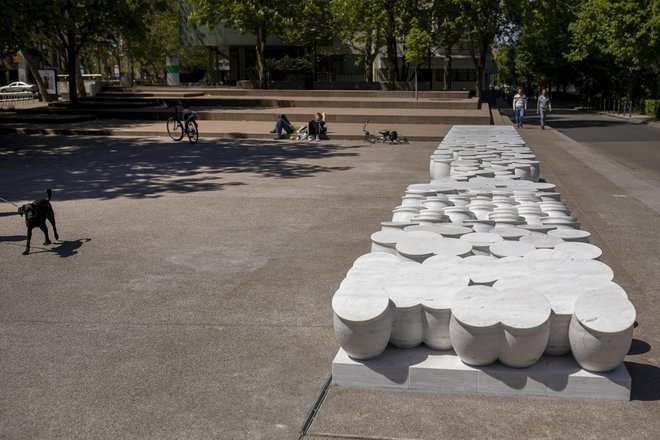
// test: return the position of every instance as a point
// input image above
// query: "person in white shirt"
(519, 107)
(543, 106)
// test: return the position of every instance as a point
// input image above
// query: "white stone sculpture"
(601, 330)
(362, 320)
(488, 324)
(536, 286)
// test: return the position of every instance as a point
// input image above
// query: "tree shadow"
(106, 167)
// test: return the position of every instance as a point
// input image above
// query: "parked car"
(19, 86)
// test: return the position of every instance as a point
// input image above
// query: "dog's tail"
(50, 194)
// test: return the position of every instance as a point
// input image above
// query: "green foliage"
(73, 25)
(289, 64)
(358, 26)
(260, 18)
(161, 39)
(624, 34)
(248, 16)
(651, 107)
(449, 22)
(485, 22)
(506, 66)
(418, 44)
(618, 29)
(544, 39)
(602, 47)
(309, 21)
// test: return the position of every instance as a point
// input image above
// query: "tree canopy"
(607, 47)
(600, 47)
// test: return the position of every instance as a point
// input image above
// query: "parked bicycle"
(177, 128)
(384, 136)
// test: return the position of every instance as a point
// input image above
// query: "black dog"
(36, 214)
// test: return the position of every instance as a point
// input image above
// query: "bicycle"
(385, 136)
(176, 128)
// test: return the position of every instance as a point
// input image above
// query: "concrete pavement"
(189, 294)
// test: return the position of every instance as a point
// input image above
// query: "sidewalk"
(633, 119)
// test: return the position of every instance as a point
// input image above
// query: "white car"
(19, 86)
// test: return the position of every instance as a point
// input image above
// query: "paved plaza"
(188, 296)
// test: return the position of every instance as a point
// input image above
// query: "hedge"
(651, 107)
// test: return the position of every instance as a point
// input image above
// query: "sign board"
(49, 77)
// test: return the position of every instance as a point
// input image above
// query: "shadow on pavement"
(12, 238)
(105, 168)
(69, 248)
(645, 381)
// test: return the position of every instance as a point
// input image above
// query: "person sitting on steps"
(282, 123)
(316, 127)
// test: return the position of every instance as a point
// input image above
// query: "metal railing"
(617, 106)
(12, 99)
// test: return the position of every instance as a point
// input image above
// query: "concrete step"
(252, 102)
(299, 115)
(149, 94)
(232, 91)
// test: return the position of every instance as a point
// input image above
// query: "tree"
(487, 20)
(625, 33)
(540, 52)
(74, 25)
(23, 25)
(506, 66)
(418, 43)
(260, 18)
(358, 24)
(449, 24)
(369, 24)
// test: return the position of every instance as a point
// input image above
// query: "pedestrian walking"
(543, 107)
(519, 107)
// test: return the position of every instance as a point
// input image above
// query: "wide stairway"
(243, 113)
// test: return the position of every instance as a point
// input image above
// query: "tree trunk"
(446, 77)
(261, 61)
(34, 70)
(72, 67)
(479, 60)
(392, 69)
(368, 58)
(392, 63)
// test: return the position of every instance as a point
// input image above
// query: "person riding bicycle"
(187, 113)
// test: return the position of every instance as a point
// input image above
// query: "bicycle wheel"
(191, 131)
(370, 138)
(401, 140)
(174, 128)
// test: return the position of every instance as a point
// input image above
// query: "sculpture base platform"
(422, 368)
